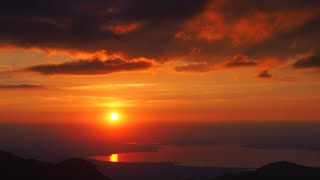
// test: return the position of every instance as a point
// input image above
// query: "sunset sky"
(157, 61)
(223, 83)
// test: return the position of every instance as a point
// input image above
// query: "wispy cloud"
(92, 67)
(20, 86)
(312, 61)
(241, 61)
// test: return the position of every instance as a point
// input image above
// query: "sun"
(114, 116)
(114, 158)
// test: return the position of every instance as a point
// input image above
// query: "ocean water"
(217, 156)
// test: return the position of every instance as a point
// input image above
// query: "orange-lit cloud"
(70, 53)
(182, 35)
(121, 29)
(258, 26)
(262, 26)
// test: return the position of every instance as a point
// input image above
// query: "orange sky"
(204, 62)
(156, 94)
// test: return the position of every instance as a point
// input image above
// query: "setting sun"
(114, 116)
(114, 158)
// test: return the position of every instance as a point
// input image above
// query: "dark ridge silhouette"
(17, 168)
(276, 171)
(160, 171)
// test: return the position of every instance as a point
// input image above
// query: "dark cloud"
(240, 61)
(236, 61)
(264, 74)
(144, 28)
(240, 8)
(20, 86)
(308, 62)
(159, 9)
(81, 24)
(91, 67)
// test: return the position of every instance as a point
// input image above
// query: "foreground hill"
(16, 168)
(276, 171)
(160, 171)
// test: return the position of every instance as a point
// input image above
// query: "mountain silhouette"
(13, 167)
(16, 168)
(276, 171)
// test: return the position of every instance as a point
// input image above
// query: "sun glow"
(114, 116)
(114, 158)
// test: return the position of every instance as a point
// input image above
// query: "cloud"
(91, 67)
(236, 61)
(160, 10)
(120, 29)
(96, 24)
(241, 61)
(164, 30)
(193, 68)
(218, 23)
(274, 29)
(264, 74)
(20, 86)
(312, 61)
(69, 53)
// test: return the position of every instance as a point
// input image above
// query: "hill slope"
(276, 171)
(16, 168)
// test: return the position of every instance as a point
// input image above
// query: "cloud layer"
(91, 67)
(164, 30)
(20, 86)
